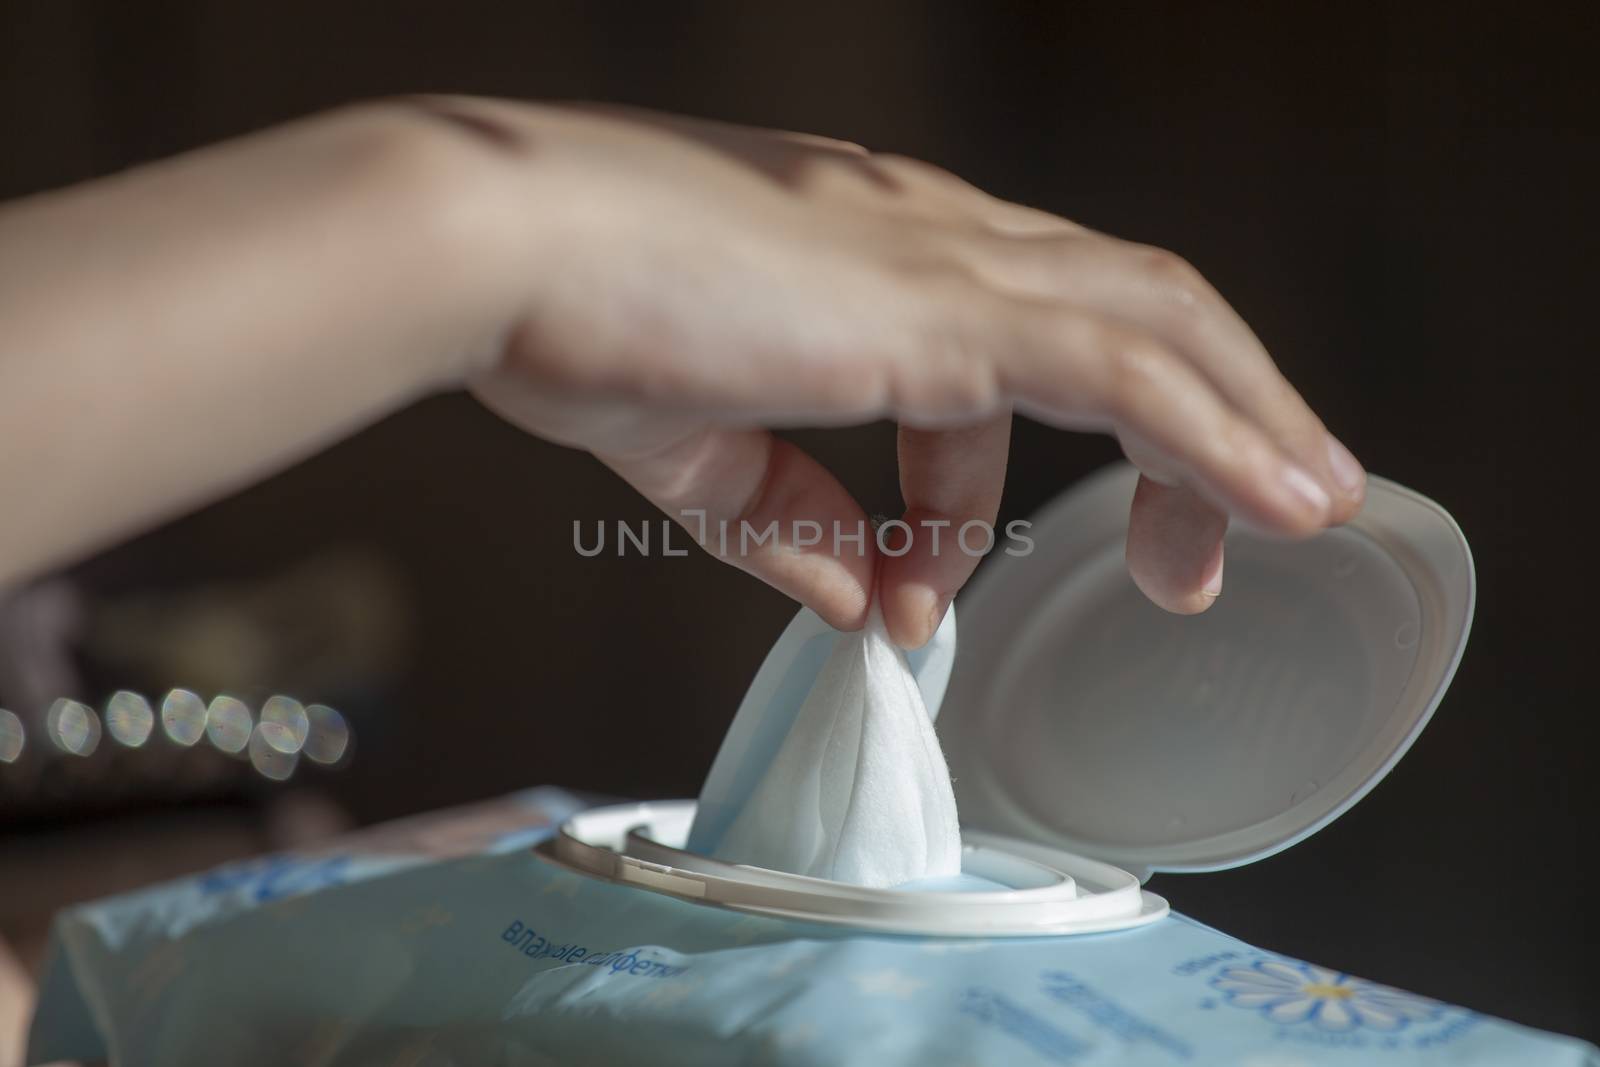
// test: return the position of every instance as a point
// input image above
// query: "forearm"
(656, 290)
(173, 332)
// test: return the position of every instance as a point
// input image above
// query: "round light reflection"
(284, 725)
(129, 719)
(183, 717)
(73, 726)
(228, 724)
(12, 736)
(269, 760)
(327, 735)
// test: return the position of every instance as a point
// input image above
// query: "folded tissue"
(858, 790)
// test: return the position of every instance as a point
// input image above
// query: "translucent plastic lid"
(1081, 716)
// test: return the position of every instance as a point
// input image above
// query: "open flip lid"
(1081, 716)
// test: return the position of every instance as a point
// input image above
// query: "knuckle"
(852, 148)
(1176, 277)
(822, 141)
(1135, 367)
(916, 171)
(895, 161)
(1239, 453)
(1235, 444)
(1168, 265)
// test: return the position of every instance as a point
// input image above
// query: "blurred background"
(1401, 201)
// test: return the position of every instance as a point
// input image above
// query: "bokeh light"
(327, 735)
(268, 760)
(129, 719)
(12, 736)
(284, 725)
(273, 742)
(183, 717)
(73, 726)
(228, 724)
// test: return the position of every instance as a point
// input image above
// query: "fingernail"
(1305, 489)
(1346, 468)
(1213, 583)
(920, 610)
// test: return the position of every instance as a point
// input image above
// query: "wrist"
(461, 205)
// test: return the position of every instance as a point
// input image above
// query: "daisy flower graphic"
(1287, 991)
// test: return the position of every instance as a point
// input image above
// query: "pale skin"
(657, 291)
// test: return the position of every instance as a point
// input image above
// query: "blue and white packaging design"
(399, 949)
(1082, 763)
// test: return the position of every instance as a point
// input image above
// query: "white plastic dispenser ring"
(1083, 721)
(1050, 893)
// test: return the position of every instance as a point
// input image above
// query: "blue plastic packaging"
(399, 949)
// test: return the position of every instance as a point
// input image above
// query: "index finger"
(765, 506)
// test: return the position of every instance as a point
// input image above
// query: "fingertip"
(1348, 474)
(1341, 488)
(1175, 548)
(1347, 508)
(1193, 604)
(1170, 596)
(912, 612)
(1351, 479)
(843, 605)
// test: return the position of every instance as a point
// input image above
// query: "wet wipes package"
(1093, 740)
(396, 949)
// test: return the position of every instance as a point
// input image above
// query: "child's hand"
(690, 283)
(656, 290)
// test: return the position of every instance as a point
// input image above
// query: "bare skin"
(655, 290)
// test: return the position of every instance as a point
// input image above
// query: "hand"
(691, 283)
(656, 290)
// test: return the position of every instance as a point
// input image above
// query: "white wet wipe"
(858, 790)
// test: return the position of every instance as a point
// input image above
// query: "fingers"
(1175, 547)
(766, 507)
(1174, 544)
(949, 478)
(1156, 291)
(1075, 368)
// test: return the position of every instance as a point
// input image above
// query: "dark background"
(1402, 203)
